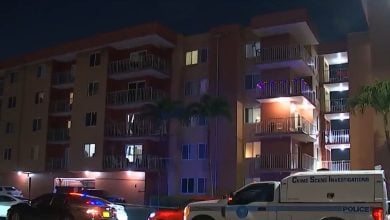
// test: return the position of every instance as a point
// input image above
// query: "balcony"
(336, 109)
(60, 108)
(139, 162)
(150, 65)
(296, 90)
(280, 162)
(296, 127)
(63, 80)
(58, 136)
(142, 129)
(133, 98)
(337, 139)
(337, 75)
(296, 57)
(342, 165)
(57, 163)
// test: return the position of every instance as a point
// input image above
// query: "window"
(39, 97)
(70, 98)
(252, 149)
(201, 185)
(4, 198)
(92, 88)
(202, 121)
(204, 86)
(202, 151)
(94, 59)
(34, 153)
(12, 78)
(37, 124)
(251, 81)
(203, 55)
(192, 57)
(12, 102)
(69, 124)
(252, 115)
(89, 150)
(252, 49)
(133, 153)
(39, 71)
(7, 153)
(186, 151)
(90, 119)
(9, 128)
(187, 185)
(260, 192)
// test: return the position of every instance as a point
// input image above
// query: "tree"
(209, 107)
(376, 96)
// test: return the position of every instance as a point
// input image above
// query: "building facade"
(75, 112)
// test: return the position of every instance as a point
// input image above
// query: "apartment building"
(74, 112)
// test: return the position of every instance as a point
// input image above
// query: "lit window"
(252, 115)
(188, 185)
(191, 57)
(39, 97)
(37, 124)
(89, 150)
(7, 153)
(252, 49)
(201, 185)
(94, 59)
(92, 88)
(90, 119)
(252, 149)
(251, 81)
(70, 98)
(133, 153)
(69, 124)
(202, 151)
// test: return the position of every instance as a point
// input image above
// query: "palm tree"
(376, 96)
(208, 107)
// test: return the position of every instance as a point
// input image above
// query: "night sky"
(28, 25)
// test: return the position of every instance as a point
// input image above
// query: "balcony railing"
(150, 61)
(341, 165)
(143, 128)
(61, 78)
(337, 136)
(336, 105)
(132, 96)
(61, 106)
(336, 75)
(57, 163)
(285, 88)
(285, 53)
(138, 162)
(285, 125)
(282, 162)
(58, 135)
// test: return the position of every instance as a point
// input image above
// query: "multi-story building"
(75, 112)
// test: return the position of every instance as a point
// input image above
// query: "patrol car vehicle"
(324, 195)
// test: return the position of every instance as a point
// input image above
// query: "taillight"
(93, 212)
(377, 213)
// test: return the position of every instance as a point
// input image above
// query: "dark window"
(93, 88)
(203, 55)
(39, 71)
(39, 97)
(94, 59)
(202, 121)
(7, 153)
(37, 124)
(90, 119)
(9, 128)
(201, 151)
(187, 185)
(184, 185)
(251, 81)
(12, 102)
(186, 151)
(260, 192)
(12, 78)
(6, 199)
(201, 185)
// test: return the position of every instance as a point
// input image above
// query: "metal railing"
(134, 96)
(149, 61)
(57, 163)
(139, 128)
(341, 165)
(337, 136)
(336, 105)
(282, 162)
(285, 125)
(285, 53)
(60, 106)
(65, 77)
(58, 134)
(339, 74)
(285, 88)
(142, 162)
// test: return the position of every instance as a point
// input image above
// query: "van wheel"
(203, 217)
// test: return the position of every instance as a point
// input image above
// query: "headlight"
(152, 215)
(186, 211)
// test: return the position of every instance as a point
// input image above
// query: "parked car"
(10, 190)
(72, 206)
(104, 194)
(6, 201)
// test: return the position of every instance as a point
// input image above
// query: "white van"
(322, 195)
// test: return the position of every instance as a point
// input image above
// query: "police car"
(324, 195)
